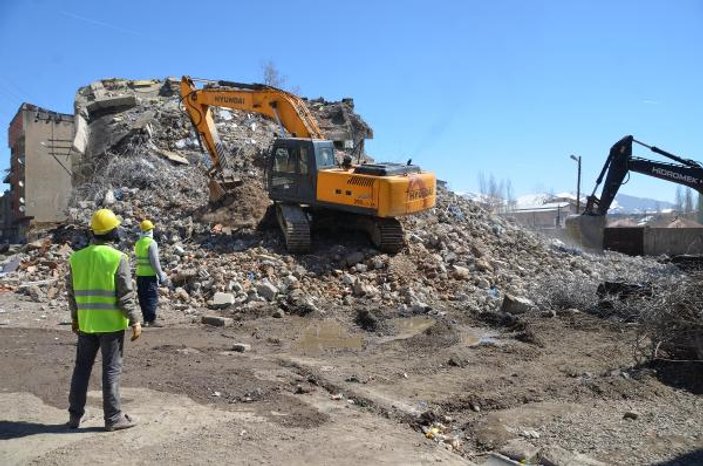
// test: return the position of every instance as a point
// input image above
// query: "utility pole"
(578, 182)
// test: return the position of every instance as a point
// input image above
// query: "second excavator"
(587, 228)
(305, 180)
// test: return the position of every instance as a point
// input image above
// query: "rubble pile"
(142, 159)
(135, 135)
(339, 120)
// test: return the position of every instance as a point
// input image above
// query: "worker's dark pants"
(148, 292)
(111, 346)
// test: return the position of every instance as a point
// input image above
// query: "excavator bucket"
(220, 186)
(216, 191)
(586, 230)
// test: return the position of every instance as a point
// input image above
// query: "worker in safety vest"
(101, 300)
(149, 273)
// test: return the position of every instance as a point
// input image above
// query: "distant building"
(40, 169)
(543, 212)
(7, 230)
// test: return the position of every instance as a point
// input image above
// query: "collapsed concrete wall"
(647, 241)
(673, 241)
(123, 116)
(339, 122)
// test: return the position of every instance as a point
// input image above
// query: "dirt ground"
(322, 390)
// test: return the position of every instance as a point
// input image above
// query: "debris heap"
(141, 158)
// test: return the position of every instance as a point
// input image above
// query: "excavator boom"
(287, 109)
(587, 228)
(620, 162)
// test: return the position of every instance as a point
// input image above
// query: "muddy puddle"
(408, 327)
(327, 336)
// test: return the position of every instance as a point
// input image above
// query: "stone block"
(461, 273)
(516, 304)
(217, 321)
(267, 290)
(222, 300)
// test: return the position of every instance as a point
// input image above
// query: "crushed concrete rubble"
(135, 142)
(141, 158)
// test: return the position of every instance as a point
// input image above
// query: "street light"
(578, 182)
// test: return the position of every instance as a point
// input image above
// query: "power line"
(23, 93)
(11, 91)
(10, 99)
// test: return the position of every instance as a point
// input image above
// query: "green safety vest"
(141, 250)
(93, 272)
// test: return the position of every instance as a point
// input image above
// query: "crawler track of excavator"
(386, 234)
(295, 227)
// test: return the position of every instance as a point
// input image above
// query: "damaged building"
(126, 117)
(55, 156)
(40, 173)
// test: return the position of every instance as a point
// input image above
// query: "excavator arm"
(620, 162)
(283, 107)
(587, 229)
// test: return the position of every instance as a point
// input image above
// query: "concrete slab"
(120, 101)
(217, 321)
(172, 156)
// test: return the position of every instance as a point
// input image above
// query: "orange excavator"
(305, 180)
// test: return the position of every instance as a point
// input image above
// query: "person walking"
(101, 300)
(149, 273)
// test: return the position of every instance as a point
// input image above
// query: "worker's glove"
(74, 327)
(136, 331)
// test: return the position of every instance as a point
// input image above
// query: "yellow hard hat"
(146, 225)
(103, 221)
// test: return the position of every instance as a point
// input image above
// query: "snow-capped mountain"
(622, 204)
(639, 205)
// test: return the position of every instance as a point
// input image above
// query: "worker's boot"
(124, 423)
(74, 421)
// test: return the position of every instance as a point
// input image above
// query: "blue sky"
(503, 88)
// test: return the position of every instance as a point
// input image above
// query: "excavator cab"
(293, 165)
